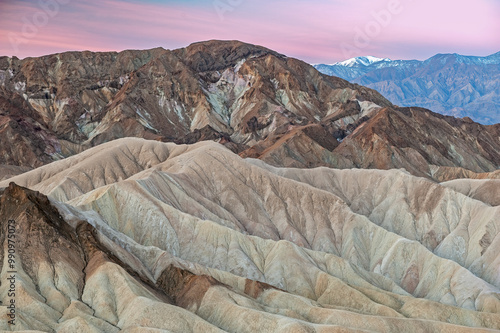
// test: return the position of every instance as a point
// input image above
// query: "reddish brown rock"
(58, 105)
(253, 100)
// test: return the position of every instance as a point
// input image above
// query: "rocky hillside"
(145, 236)
(58, 105)
(451, 84)
(256, 102)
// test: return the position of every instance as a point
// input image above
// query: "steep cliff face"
(140, 235)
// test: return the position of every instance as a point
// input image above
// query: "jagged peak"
(360, 61)
(218, 54)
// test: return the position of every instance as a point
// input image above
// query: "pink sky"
(315, 31)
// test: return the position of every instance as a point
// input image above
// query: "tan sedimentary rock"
(487, 190)
(195, 238)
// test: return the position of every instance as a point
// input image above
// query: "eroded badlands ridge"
(68, 102)
(141, 234)
(255, 101)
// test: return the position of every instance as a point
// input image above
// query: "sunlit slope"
(247, 247)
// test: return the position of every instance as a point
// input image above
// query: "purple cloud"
(315, 31)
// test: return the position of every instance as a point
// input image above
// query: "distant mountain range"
(451, 84)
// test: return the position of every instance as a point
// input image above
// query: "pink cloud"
(315, 31)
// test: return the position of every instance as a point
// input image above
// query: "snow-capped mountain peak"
(454, 84)
(365, 61)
